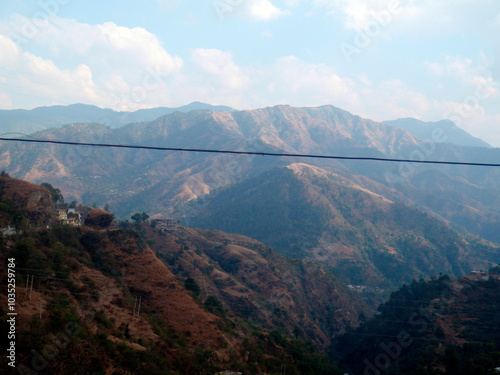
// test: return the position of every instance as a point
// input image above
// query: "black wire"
(251, 152)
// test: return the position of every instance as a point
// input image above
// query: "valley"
(268, 261)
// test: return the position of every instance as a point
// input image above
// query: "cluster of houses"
(166, 224)
(69, 216)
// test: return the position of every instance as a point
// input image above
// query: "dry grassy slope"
(29, 196)
(255, 283)
(324, 129)
(162, 295)
(137, 272)
(472, 310)
(34, 201)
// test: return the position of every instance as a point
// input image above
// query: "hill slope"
(259, 286)
(121, 306)
(157, 182)
(442, 326)
(309, 213)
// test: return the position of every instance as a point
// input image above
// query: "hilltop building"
(69, 216)
(166, 224)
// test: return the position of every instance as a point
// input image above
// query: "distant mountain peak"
(448, 132)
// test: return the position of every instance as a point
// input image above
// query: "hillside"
(159, 182)
(442, 326)
(309, 213)
(138, 300)
(259, 286)
(134, 174)
(23, 202)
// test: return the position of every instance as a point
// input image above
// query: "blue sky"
(380, 59)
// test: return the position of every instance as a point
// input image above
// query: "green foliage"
(407, 325)
(101, 318)
(495, 270)
(213, 305)
(67, 235)
(57, 197)
(260, 208)
(23, 251)
(192, 286)
(139, 218)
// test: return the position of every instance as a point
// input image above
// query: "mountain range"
(135, 298)
(31, 121)
(352, 214)
(276, 262)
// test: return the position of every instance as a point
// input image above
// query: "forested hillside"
(442, 326)
(306, 212)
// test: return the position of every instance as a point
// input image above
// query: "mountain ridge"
(366, 239)
(40, 118)
(131, 180)
(438, 131)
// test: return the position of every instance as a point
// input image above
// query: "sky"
(380, 59)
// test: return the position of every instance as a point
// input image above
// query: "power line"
(235, 152)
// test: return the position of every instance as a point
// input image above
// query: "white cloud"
(139, 44)
(474, 77)
(54, 82)
(255, 10)
(126, 49)
(454, 65)
(297, 82)
(264, 10)
(357, 14)
(292, 3)
(9, 52)
(5, 101)
(220, 68)
(86, 61)
(481, 126)
(393, 99)
(418, 17)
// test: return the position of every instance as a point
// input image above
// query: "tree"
(57, 197)
(106, 207)
(139, 218)
(136, 218)
(4, 174)
(73, 204)
(191, 285)
(213, 305)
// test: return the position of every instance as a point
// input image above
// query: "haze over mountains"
(30, 121)
(276, 260)
(162, 183)
(444, 131)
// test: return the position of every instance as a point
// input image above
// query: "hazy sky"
(430, 59)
